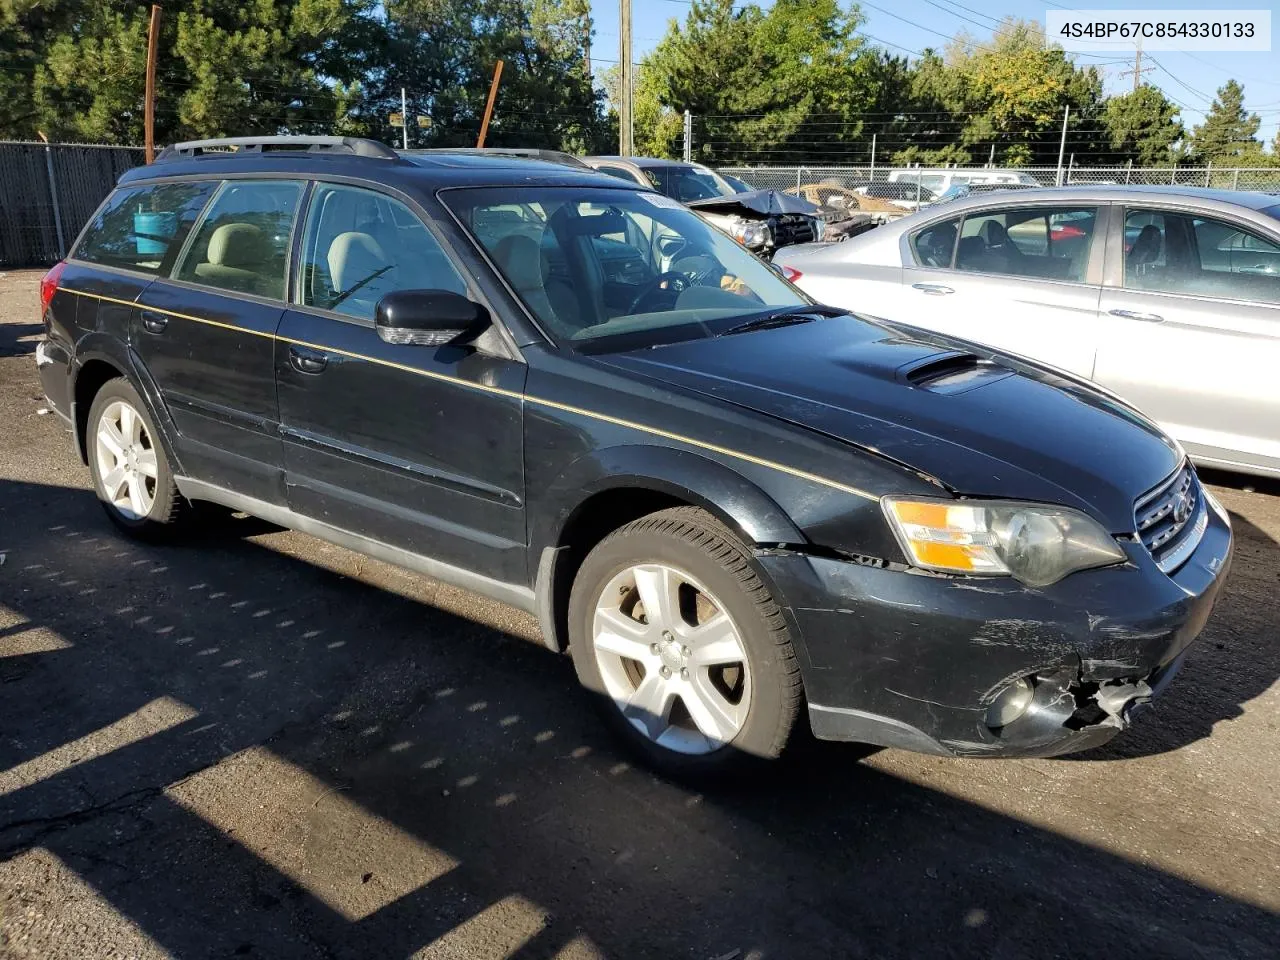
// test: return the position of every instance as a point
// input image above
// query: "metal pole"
(626, 145)
(1208, 170)
(1128, 170)
(991, 160)
(1173, 174)
(53, 194)
(488, 107)
(688, 137)
(1235, 181)
(149, 108)
(873, 156)
(1062, 144)
(404, 119)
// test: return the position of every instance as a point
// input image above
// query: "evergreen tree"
(1143, 127)
(1228, 132)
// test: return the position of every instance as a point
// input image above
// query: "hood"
(766, 203)
(982, 423)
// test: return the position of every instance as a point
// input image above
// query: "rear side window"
(934, 245)
(1047, 243)
(361, 245)
(1180, 253)
(243, 242)
(142, 228)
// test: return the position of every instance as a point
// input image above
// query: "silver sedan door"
(1192, 306)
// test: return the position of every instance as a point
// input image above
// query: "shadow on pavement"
(19, 339)
(272, 758)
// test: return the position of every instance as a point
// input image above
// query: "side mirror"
(428, 318)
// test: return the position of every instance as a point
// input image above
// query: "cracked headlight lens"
(1038, 544)
(752, 234)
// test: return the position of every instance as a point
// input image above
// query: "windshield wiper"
(784, 317)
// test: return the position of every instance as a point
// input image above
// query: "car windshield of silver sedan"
(595, 264)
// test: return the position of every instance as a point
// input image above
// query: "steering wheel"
(676, 282)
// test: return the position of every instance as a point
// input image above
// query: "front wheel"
(126, 460)
(688, 654)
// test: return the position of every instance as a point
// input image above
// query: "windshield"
(598, 263)
(690, 183)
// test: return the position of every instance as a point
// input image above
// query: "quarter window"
(1047, 243)
(360, 246)
(141, 228)
(1180, 253)
(243, 242)
(934, 246)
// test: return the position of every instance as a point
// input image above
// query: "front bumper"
(912, 660)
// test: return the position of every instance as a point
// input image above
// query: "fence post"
(1235, 181)
(1173, 175)
(688, 136)
(873, 158)
(1062, 144)
(53, 193)
(1207, 171)
(1128, 170)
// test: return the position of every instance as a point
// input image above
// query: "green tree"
(1143, 126)
(1228, 131)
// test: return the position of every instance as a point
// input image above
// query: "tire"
(667, 684)
(145, 502)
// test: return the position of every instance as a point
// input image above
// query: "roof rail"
(353, 146)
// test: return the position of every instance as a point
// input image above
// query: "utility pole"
(149, 109)
(688, 137)
(626, 145)
(1138, 69)
(404, 118)
(488, 107)
(1062, 144)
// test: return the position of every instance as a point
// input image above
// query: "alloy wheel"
(671, 658)
(126, 460)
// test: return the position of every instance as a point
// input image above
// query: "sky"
(1188, 79)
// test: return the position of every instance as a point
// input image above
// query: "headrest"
(237, 245)
(520, 259)
(352, 257)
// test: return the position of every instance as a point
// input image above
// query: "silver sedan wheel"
(672, 659)
(126, 459)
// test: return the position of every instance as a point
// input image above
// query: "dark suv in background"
(733, 506)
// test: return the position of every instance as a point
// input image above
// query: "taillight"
(791, 273)
(49, 286)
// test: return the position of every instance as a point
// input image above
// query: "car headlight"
(1038, 544)
(752, 234)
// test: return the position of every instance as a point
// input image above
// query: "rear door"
(206, 334)
(1192, 314)
(415, 446)
(1025, 279)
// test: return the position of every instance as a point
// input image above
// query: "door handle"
(154, 322)
(307, 361)
(1138, 315)
(933, 289)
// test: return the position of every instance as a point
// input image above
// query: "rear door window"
(243, 242)
(142, 228)
(1047, 243)
(1181, 253)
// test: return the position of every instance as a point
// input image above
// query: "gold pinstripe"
(499, 391)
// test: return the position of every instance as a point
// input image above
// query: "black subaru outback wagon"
(730, 504)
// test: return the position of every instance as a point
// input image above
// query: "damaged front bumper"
(920, 662)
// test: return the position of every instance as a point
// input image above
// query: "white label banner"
(1120, 30)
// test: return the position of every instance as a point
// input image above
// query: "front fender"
(727, 495)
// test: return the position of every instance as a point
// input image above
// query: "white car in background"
(1168, 296)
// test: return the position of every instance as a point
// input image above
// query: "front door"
(1024, 279)
(206, 335)
(416, 446)
(1192, 308)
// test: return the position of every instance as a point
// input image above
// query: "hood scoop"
(952, 373)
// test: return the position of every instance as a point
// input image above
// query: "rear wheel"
(126, 460)
(687, 652)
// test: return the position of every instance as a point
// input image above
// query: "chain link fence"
(48, 191)
(1223, 178)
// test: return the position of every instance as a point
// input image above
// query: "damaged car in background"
(761, 220)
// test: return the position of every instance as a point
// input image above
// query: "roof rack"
(353, 146)
(520, 153)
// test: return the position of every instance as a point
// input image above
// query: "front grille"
(789, 230)
(1172, 518)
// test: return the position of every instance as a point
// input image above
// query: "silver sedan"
(1170, 297)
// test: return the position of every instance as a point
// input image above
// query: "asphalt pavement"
(257, 745)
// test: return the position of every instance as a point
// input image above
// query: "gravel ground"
(258, 745)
